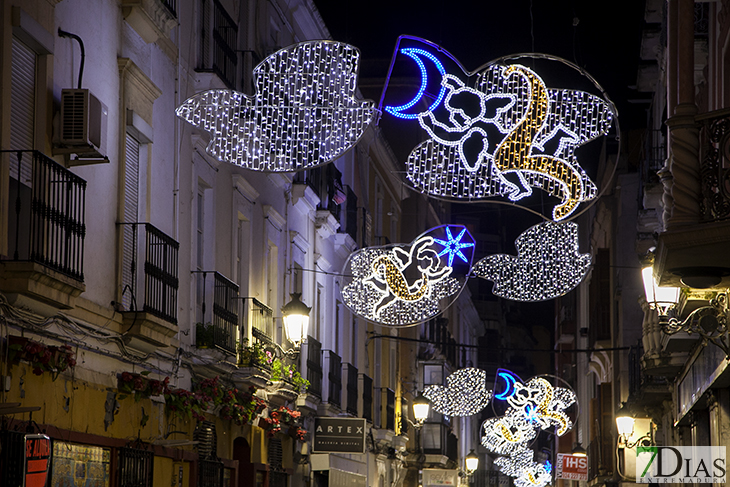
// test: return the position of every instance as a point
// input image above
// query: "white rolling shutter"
(22, 108)
(131, 208)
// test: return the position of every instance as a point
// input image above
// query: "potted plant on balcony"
(288, 373)
(252, 356)
(204, 335)
(42, 358)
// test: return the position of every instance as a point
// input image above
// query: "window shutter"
(22, 108)
(131, 207)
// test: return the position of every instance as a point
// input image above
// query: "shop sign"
(572, 467)
(338, 435)
(440, 477)
(37, 460)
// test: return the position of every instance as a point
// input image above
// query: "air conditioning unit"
(83, 126)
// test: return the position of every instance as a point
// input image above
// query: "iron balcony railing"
(224, 319)
(47, 224)
(334, 376)
(156, 287)
(387, 408)
(219, 34)
(262, 322)
(135, 467)
(171, 5)
(367, 398)
(351, 374)
(314, 366)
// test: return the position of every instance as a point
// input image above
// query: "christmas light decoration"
(414, 54)
(508, 378)
(548, 264)
(401, 285)
(502, 133)
(304, 112)
(533, 406)
(465, 393)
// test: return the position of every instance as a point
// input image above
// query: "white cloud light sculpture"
(548, 264)
(304, 112)
(465, 393)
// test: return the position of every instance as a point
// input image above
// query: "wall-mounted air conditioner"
(83, 127)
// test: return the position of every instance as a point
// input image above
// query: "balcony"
(152, 19)
(367, 397)
(218, 38)
(256, 333)
(221, 324)
(149, 291)
(694, 246)
(439, 444)
(46, 230)
(331, 400)
(350, 373)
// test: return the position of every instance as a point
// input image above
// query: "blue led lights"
(453, 246)
(414, 54)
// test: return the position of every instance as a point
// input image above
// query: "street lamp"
(472, 462)
(709, 322)
(579, 451)
(296, 319)
(421, 407)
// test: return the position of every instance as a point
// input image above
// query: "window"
(22, 109)
(200, 257)
(131, 217)
(218, 36)
(135, 468)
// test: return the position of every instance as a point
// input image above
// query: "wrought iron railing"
(210, 473)
(335, 378)
(351, 403)
(159, 281)
(714, 173)
(135, 467)
(219, 34)
(314, 366)
(367, 398)
(387, 408)
(262, 322)
(47, 225)
(171, 5)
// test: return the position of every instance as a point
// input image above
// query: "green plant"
(289, 373)
(251, 356)
(204, 335)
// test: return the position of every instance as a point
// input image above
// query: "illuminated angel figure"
(389, 273)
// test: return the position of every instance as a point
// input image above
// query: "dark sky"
(605, 41)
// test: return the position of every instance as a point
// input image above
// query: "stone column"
(684, 141)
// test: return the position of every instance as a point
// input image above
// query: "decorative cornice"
(304, 199)
(325, 223)
(274, 217)
(301, 242)
(248, 192)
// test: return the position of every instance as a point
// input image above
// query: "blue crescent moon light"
(414, 54)
(509, 380)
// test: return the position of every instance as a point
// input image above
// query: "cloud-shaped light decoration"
(498, 132)
(548, 264)
(533, 406)
(404, 284)
(304, 113)
(465, 393)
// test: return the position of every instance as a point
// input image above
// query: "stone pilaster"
(684, 166)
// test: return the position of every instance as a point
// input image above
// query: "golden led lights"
(500, 132)
(304, 113)
(399, 285)
(548, 264)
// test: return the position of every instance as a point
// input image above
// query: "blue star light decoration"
(453, 246)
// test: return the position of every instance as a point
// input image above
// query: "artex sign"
(338, 435)
(572, 467)
(681, 464)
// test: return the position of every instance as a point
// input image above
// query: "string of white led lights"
(304, 112)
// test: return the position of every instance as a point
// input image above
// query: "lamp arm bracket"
(717, 309)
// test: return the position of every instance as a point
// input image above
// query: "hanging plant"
(42, 358)
(140, 385)
(288, 373)
(280, 418)
(185, 404)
